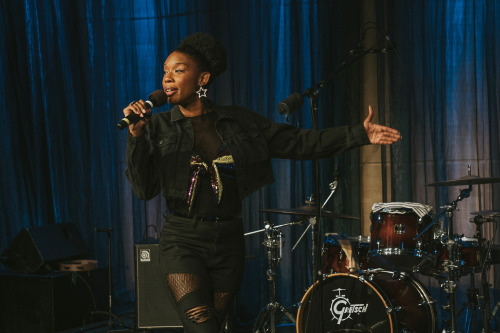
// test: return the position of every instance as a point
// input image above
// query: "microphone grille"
(158, 98)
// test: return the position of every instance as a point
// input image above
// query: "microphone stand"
(313, 94)
(295, 101)
(111, 317)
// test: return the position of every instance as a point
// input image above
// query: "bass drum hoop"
(306, 297)
(393, 322)
(428, 300)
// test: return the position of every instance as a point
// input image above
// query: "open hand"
(378, 134)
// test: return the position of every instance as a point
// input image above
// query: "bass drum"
(381, 302)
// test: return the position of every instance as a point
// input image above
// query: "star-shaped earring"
(202, 92)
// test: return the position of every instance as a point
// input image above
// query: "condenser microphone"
(156, 99)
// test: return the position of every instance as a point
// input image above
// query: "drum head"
(379, 302)
(343, 302)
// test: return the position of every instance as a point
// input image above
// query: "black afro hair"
(207, 51)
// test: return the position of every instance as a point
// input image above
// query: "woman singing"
(204, 159)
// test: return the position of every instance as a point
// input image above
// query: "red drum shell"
(335, 259)
(468, 253)
(392, 241)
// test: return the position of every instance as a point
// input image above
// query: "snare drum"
(393, 230)
(378, 302)
(343, 254)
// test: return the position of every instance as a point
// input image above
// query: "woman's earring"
(202, 92)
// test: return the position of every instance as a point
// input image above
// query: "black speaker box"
(51, 302)
(154, 303)
(38, 249)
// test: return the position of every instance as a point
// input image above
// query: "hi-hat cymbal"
(466, 181)
(308, 211)
(494, 212)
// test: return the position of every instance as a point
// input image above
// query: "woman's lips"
(170, 91)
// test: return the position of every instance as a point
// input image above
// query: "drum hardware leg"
(450, 285)
(267, 318)
(472, 304)
(493, 314)
(486, 312)
(484, 294)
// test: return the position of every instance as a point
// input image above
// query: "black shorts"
(213, 250)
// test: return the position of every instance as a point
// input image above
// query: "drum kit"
(370, 283)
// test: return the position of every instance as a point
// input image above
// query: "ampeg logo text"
(341, 309)
(145, 255)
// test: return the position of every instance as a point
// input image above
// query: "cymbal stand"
(471, 304)
(312, 223)
(267, 318)
(484, 294)
(452, 265)
(450, 207)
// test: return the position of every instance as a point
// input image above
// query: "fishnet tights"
(182, 284)
(221, 302)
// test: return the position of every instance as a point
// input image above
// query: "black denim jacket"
(159, 159)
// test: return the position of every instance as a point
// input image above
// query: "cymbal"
(494, 212)
(466, 181)
(308, 211)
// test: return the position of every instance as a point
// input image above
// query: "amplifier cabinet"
(154, 303)
(51, 302)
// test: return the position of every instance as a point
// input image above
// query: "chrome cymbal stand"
(267, 318)
(484, 253)
(452, 265)
(312, 223)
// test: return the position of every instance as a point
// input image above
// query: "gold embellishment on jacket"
(200, 167)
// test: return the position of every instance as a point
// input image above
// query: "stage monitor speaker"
(154, 303)
(52, 302)
(36, 250)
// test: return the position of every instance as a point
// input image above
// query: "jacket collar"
(176, 114)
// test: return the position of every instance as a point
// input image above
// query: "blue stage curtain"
(443, 96)
(68, 68)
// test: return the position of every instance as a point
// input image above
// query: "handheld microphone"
(156, 99)
(290, 104)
